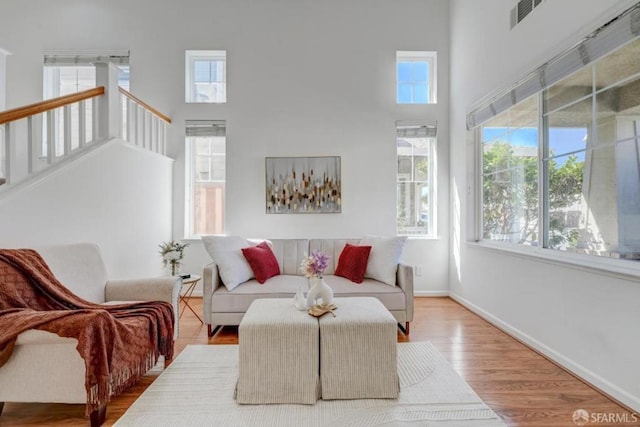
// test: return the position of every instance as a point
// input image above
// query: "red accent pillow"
(262, 261)
(352, 263)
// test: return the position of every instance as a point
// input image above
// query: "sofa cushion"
(226, 252)
(262, 261)
(79, 267)
(285, 286)
(352, 263)
(290, 253)
(384, 257)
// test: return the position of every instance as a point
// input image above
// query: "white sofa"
(223, 307)
(47, 368)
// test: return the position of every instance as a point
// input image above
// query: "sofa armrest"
(151, 289)
(210, 282)
(404, 279)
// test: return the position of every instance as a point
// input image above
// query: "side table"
(191, 281)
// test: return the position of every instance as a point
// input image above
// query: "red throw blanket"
(118, 343)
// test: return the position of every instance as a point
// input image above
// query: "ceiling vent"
(522, 9)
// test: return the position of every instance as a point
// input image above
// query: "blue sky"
(413, 78)
(561, 140)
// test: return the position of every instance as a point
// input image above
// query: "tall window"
(577, 139)
(68, 74)
(206, 76)
(205, 177)
(416, 151)
(416, 77)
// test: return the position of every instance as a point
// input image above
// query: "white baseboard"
(578, 370)
(430, 293)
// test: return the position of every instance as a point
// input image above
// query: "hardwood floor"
(522, 387)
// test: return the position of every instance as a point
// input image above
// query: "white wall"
(121, 208)
(3, 81)
(585, 320)
(305, 78)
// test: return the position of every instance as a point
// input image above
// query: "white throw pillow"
(384, 257)
(226, 252)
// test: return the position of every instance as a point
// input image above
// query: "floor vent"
(522, 9)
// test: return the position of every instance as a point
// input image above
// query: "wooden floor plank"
(521, 386)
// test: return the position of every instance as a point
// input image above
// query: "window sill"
(617, 268)
(418, 237)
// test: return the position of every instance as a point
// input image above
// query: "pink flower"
(314, 264)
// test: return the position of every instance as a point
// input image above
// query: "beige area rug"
(197, 390)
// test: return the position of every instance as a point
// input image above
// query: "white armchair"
(47, 368)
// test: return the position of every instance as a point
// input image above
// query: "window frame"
(431, 58)
(431, 182)
(191, 56)
(191, 170)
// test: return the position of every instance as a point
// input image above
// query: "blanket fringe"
(100, 393)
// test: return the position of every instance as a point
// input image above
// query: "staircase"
(37, 139)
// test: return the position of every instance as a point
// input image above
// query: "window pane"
(618, 65)
(218, 145)
(497, 128)
(404, 71)
(420, 72)
(420, 94)
(569, 128)
(404, 93)
(201, 71)
(219, 169)
(420, 146)
(510, 193)
(202, 146)
(208, 208)
(421, 165)
(628, 194)
(413, 208)
(576, 86)
(614, 105)
(404, 168)
(213, 76)
(203, 169)
(124, 77)
(510, 175)
(566, 203)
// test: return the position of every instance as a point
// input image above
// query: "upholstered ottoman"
(279, 348)
(358, 351)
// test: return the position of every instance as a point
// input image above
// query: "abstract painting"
(303, 185)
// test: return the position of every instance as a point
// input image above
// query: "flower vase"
(299, 300)
(175, 268)
(319, 291)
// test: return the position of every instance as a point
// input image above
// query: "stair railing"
(58, 129)
(142, 124)
(53, 129)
